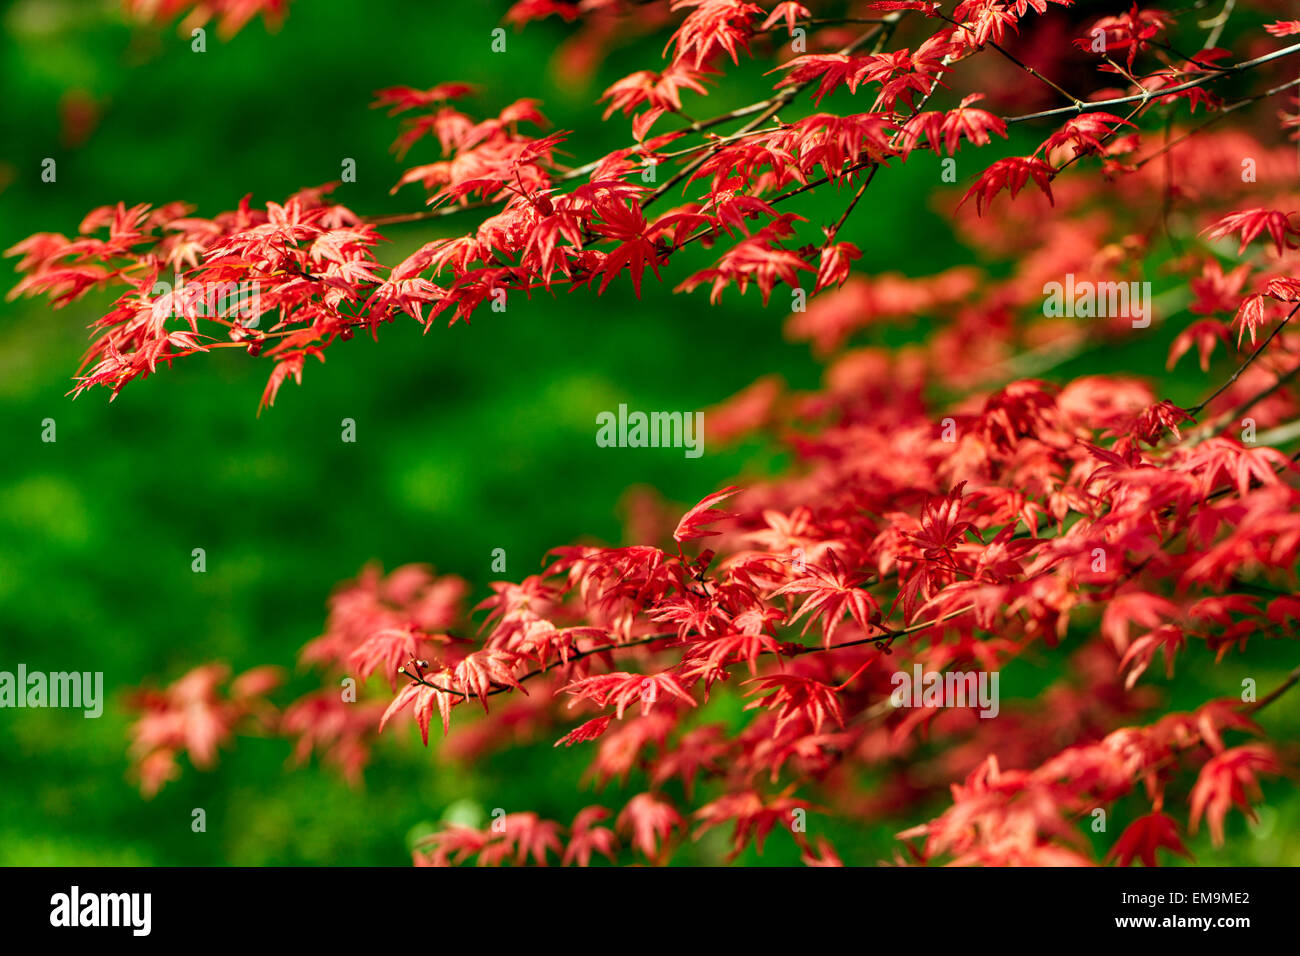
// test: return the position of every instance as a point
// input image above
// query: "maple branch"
(773, 105)
(826, 22)
(769, 107)
(1168, 48)
(1291, 680)
(438, 213)
(694, 126)
(1147, 95)
(1252, 402)
(888, 636)
(1079, 155)
(723, 140)
(847, 171)
(834, 230)
(1223, 111)
(813, 184)
(1012, 58)
(577, 656)
(1196, 409)
(891, 634)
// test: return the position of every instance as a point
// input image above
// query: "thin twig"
(1157, 94)
(1197, 409)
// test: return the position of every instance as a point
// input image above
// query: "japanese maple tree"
(947, 506)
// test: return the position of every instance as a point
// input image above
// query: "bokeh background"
(469, 439)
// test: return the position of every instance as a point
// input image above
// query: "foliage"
(1092, 519)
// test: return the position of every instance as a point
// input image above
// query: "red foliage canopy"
(943, 510)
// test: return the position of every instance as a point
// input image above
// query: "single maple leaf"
(1010, 174)
(703, 514)
(1144, 836)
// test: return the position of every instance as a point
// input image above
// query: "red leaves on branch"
(591, 730)
(660, 93)
(1144, 836)
(424, 697)
(753, 816)
(514, 838)
(831, 593)
(946, 130)
(1132, 32)
(1251, 223)
(1230, 779)
(712, 27)
(1085, 135)
(702, 515)
(1010, 174)
(403, 98)
(801, 700)
(622, 690)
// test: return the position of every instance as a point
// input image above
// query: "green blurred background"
(469, 439)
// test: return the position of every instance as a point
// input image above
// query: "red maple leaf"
(1010, 174)
(1144, 836)
(1250, 223)
(833, 591)
(1229, 779)
(702, 515)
